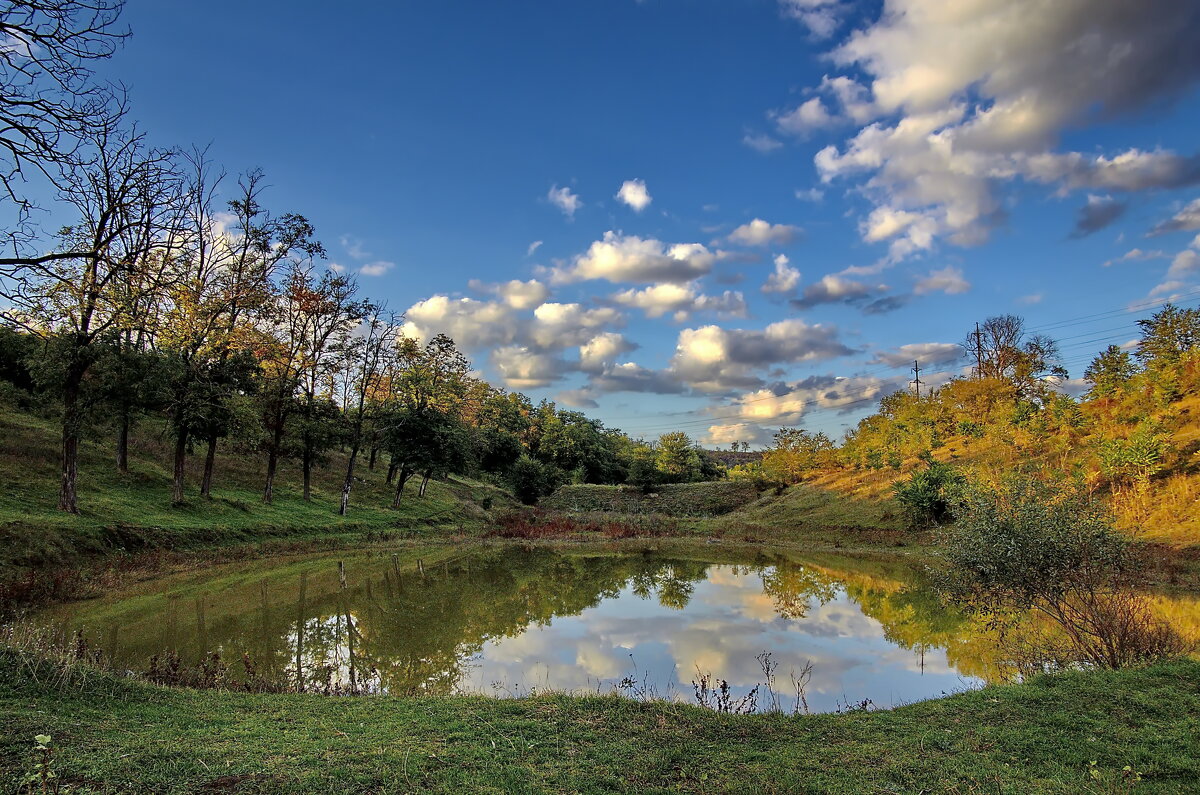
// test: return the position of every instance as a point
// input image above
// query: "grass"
(675, 499)
(113, 735)
(133, 511)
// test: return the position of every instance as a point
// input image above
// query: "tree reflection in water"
(573, 617)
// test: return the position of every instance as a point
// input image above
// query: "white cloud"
(948, 280)
(633, 193)
(761, 142)
(1187, 218)
(821, 17)
(724, 435)
(966, 96)
(577, 398)
(470, 323)
(601, 351)
(561, 325)
(785, 279)
(627, 258)
(761, 233)
(680, 301)
(1031, 299)
(715, 359)
(376, 268)
(522, 368)
(515, 293)
(806, 117)
(563, 199)
(534, 246)
(834, 288)
(927, 353)
(767, 405)
(810, 195)
(1137, 254)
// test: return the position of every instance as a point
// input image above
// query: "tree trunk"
(181, 441)
(401, 479)
(371, 460)
(273, 461)
(424, 485)
(349, 481)
(391, 473)
(70, 450)
(306, 466)
(210, 460)
(123, 442)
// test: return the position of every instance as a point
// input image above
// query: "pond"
(513, 620)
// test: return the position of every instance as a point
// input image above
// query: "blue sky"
(920, 165)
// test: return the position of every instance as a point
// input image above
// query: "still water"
(510, 620)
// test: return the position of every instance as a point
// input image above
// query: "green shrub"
(929, 494)
(1052, 549)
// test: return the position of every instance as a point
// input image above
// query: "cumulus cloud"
(928, 353)
(633, 193)
(1187, 218)
(948, 280)
(681, 301)
(784, 280)
(602, 350)
(724, 435)
(821, 17)
(761, 142)
(563, 199)
(525, 347)
(470, 323)
(1184, 267)
(1097, 213)
(959, 98)
(515, 293)
(628, 258)
(836, 289)
(805, 118)
(761, 233)
(558, 325)
(630, 377)
(715, 359)
(376, 268)
(577, 398)
(522, 368)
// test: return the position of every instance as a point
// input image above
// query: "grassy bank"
(132, 512)
(693, 500)
(113, 735)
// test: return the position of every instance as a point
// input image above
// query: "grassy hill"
(133, 511)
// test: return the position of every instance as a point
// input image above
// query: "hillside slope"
(133, 511)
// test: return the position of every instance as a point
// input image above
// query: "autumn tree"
(366, 361)
(109, 263)
(300, 324)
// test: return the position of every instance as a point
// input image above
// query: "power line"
(871, 392)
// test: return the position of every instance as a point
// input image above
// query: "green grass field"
(133, 512)
(112, 735)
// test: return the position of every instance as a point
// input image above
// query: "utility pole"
(978, 352)
(916, 382)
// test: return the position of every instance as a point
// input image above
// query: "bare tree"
(109, 265)
(1002, 350)
(51, 107)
